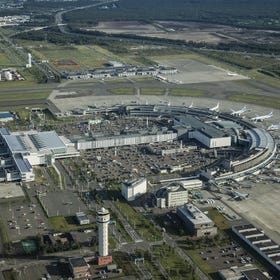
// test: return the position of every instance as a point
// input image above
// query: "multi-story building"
(172, 196)
(196, 222)
(132, 189)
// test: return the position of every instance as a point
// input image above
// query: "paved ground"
(10, 190)
(62, 203)
(262, 208)
(191, 72)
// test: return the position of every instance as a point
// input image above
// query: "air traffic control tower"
(103, 217)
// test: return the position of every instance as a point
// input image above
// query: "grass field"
(187, 92)
(122, 91)
(272, 102)
(173, 263)
(152, 91)
(23, 96)
(87, 56)
(60, 224)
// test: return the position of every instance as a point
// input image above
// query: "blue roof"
(4, 115)
(47, 140)
(4, 131)
(15, 144)
(22, 164)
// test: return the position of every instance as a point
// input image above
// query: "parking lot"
(225, 256)
(64, 203)
(23, 220)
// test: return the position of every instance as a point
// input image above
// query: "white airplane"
(239, 196)
(239, 112)
(262, 118)
(216, 108)
(274, 127)
(231, 74)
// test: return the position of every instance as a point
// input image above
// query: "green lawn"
(187, 92)
(152, 91)
(87, 56)
(23, 96)
(122, 91)
(175, 266)
(62, 224)
(272, 102)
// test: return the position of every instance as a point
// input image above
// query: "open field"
(122, 91)
(81, 56)
(271, 102)
(186, 31)
(66, 224)
(152, 91)
(23, 96)
(187, 92)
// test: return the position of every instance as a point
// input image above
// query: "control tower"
(29, 60)
(103, 217)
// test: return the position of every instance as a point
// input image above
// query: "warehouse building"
(261, 243)
(196, 222)
(134, 188)
(247, 272)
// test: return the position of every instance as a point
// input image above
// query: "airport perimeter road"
(173, 244)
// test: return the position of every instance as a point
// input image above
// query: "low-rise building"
(196, 222)
(132, 189)
(82, 218)
(261, 243)
(247, 272)
(79, 267)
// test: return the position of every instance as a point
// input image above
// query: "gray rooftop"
(193, 214)
(15, 144)
(22, 164)
(78, 262)
(47, 140)
(212, 132)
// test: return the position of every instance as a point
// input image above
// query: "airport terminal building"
(19, 151)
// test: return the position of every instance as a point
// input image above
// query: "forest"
(241, 13)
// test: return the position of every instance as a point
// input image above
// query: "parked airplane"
(239, 112)
(239, 196)
(262, 118)
(274, 127)
(231, 74)
(216, 108)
